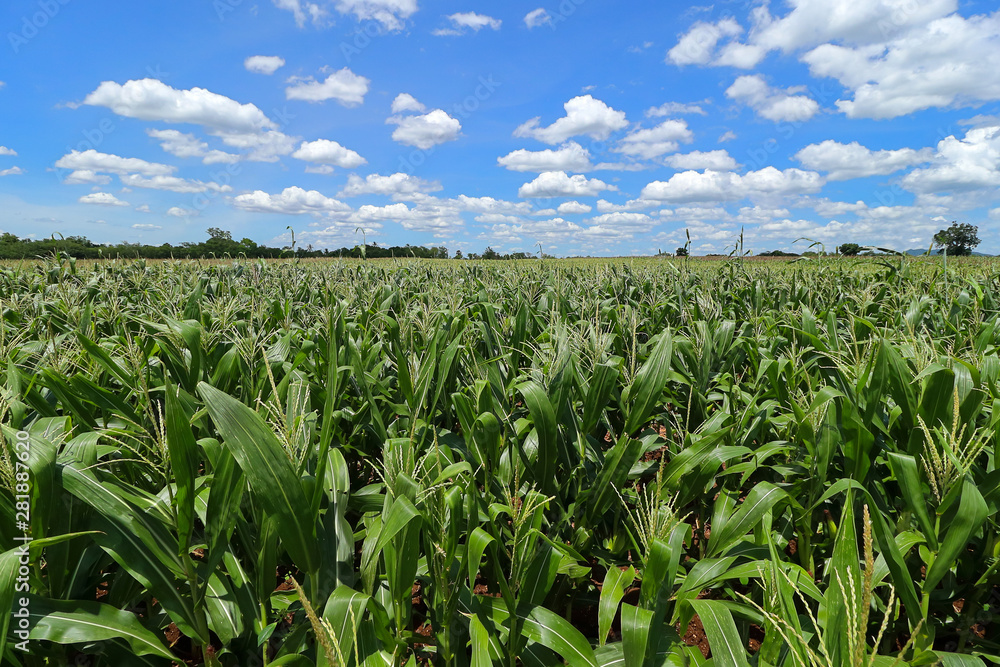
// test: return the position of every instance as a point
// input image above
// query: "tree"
(959, 239)
(682, 252)
(458, 254)
(850, 249)
(217, 233)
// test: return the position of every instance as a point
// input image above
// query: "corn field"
(627, 464)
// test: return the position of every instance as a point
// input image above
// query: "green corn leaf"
(612, 592)
(723, 638)
(82, 622)
(269, 472)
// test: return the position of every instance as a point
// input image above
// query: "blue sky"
(587, 126)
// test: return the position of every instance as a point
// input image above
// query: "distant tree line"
(219, 244)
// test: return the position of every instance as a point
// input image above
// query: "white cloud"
(102, 199)
(674, 109)
(536, 18)
(728, 135)
(772, 103)
(323, 169)
(653, 142)
(8, 151)
(559, 184)
(585, 115)
(846, 161)
(697, 46)
(324, 151)
(942, 64)
(715, 186)
(171, 184)
(292, 201)
(569, 157)
(178, 212)
(150, 99)
(399, 186)
(425, 131)
(13, 171)
(961, 165)
(604, 206)
(264, 64)
(808, 24)
(623, 222)
(189, 146)
(574, 207)
(143, 209)
(390, 13)
(93, 161)
(717, 160)
(464, 21)
(344, 86)
(147, 227)
(301, 9)
(179, 144)
(239, 125)
(86, 177)
(407, 102)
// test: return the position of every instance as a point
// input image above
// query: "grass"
(316, 463)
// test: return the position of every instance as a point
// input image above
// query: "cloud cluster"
(422, 130)
(585, 116)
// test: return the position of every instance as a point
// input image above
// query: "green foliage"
(850, 249)
(404, 462)
(959, 239)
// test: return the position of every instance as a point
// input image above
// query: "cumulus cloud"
(574, 207)
(536, 18)
(559, 184)
(846, 161)
(585, 116)
(264, 64)
(239, 125)
(697, 46)
(569, 157)
(943, 64)
(146, 227)
(8, 151)
(425, 131)
(392, 14)
(86, 177)
(12, 171)
(184, 145)
(178, 212)
(406, 102)
(808, 24)
(399, 186)
(344, 86)
(465, 21)
(291, 201)
(324, 151)
(717, 160)
(716, 186)
(963, 165)
(150, 99)
(653, 142)
(95, 162)
(102, 199)
(772, 103)
(171, 184)
(674, 109)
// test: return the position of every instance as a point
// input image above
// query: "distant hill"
(921, 251)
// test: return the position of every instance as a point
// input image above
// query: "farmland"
(531, 463)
